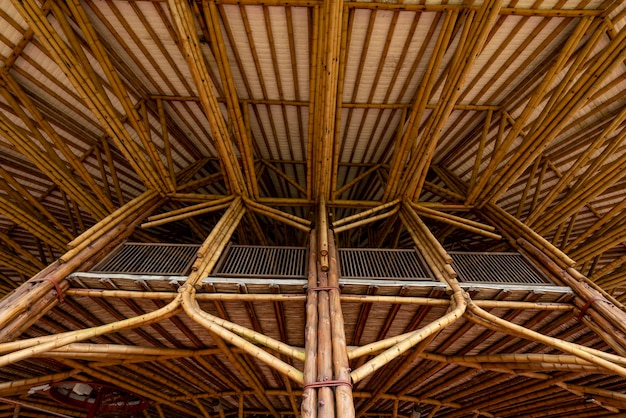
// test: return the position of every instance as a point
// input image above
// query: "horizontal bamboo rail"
(345, 298)
(188, 212)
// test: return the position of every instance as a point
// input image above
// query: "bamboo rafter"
(185, 26)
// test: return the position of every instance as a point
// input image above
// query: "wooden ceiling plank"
(212, 18)
(421, 98)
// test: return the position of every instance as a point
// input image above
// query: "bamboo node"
(54, 282)
(327, 383)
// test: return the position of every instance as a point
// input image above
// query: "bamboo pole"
(322, 230)
(185, 26)
(309, 395)
(284, 176)
(211, 16)
(355, 180)
(35, 297)
(230, 331)
(185, 213)
(615, 316)
(365, 213)
(34, 347)
(292, 220)
(467, 224)
(592, 356)
(325, 396)
(480, 188)
(344, 401)
(367, 220)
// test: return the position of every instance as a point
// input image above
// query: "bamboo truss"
(503, 124)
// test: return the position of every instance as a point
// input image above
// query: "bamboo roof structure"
(483, 126)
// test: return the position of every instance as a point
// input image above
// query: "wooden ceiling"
(467, 105)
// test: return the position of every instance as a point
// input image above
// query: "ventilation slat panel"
(502, 268)
(380, 263)
(270, 262)
(156, 259)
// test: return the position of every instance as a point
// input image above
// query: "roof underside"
(460, 104)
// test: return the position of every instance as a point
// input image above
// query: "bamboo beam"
(426, 85)
(13, 186)
(35, 297)
(185, 26)
(187, 212)
(32, 224)
(457, 221)
(284, 176)
(325, 100)
(475, 31)
(292, 220)
(325, 394)
(75, 65)
(95, 205)
(534, 101)
(567, 99)
(212, 18)
(581, 161)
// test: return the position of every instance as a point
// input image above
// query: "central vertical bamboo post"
(327, 386)
(341, 367)
(308, 408)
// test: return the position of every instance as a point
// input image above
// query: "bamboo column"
(326, 354)
(308, 408)
(341, 367)
(326, 400)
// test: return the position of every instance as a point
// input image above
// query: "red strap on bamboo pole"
(54, 283)
(327, 383)
(587, 306)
